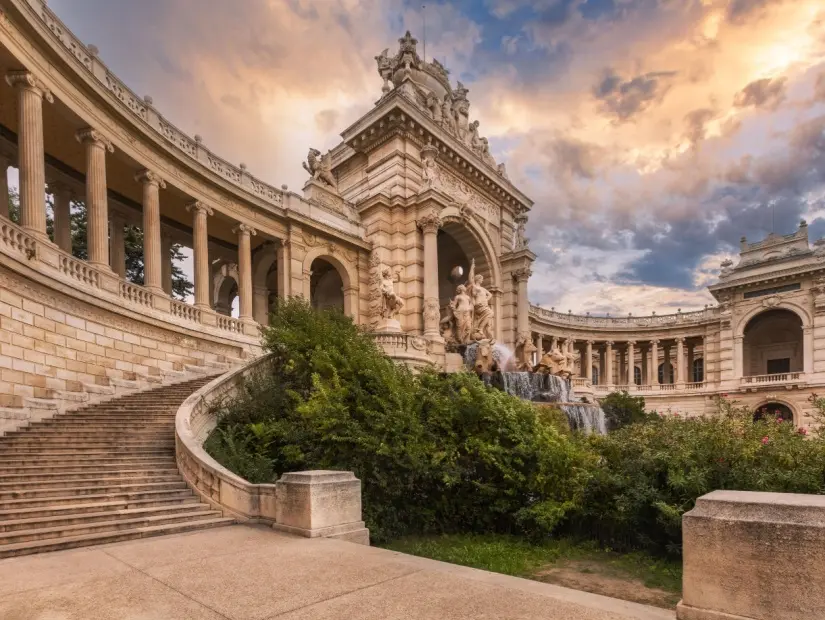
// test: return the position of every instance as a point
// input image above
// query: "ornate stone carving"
(520, 241)
(197, 205)
(93, 136)
(482, 312)
(771, 302)
(429, 222)
(524, 351)
(320, 168)
(244, 228)
(522, 274)
(429, 169)
(457, 326)
(28, 80)
(554, 362)
(147, 176)
(463, 194)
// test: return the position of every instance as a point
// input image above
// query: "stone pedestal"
(320, 504)
(388, 326)
(754, 556)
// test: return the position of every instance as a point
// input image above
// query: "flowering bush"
(650, 474)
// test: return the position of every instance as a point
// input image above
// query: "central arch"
(773, 343)
(338, 286)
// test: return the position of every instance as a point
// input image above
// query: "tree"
(132, 241)
(621, 409)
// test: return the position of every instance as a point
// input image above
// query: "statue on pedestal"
(524, 352)
(554, 362)
(320, 167)
(391, 303)
(482, 312)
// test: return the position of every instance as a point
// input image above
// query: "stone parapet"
(754, 556)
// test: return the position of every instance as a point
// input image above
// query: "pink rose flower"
(765, 440)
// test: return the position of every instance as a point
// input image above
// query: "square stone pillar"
(754, 556)
(608, 362)
(654, 362)
(317, 504)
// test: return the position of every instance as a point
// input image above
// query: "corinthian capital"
(523, 274)
(92, 136)
(429, 223)
(150, 178)
(244, 229)
(29, 81)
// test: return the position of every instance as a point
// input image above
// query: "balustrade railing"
(667, 387)
(654, 320)
(697, 385)
(227, 323)
(581, 382)
(781, 377)
(136, 294)
(14, 239)
(185, 311)
(78, 270)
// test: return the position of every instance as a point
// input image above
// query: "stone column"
(283, 269)
(166, 262)
(631, 363)
(244, 232)
(539, 347)
(645, 352)
(97, 224)
(30, 153)
(667, 366)
(654, 362)
(152, 256)
(200, 250)
(5, 162)
(429, 225)
(608, 380)
(554, 343)
(689, 378)
(522, 318)
(118, 247)
(589, 361)
(62, 215)
(680, 360)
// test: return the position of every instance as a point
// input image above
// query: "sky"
(651, 134)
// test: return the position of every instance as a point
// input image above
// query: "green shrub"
(621, 409)
(650, 474)
(435, 453)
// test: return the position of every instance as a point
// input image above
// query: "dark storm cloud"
(574, 157)
(625, 98)
(696, 122)
(765, 93)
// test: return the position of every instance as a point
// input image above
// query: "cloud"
(764, 93)
(625, 99)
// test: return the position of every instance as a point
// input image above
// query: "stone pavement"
(252, 573)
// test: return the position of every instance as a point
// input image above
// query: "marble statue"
(520, 242)
(554, 362)
(320, 167)
(524, 352)
(482, 312)
(475, 141)
(457, 326)
(484, 357)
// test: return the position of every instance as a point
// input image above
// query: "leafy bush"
(621, 409)
(435, 453)
(650, 474)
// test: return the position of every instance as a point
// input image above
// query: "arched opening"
(225, 287)
(698, 370)
(326, 287)
(637, 375)
(777, 410)
(457, 248)
(773, 343)
(264, 281)
(670, 374)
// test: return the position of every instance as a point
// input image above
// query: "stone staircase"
(100, 474)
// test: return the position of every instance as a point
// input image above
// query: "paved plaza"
(252, 573)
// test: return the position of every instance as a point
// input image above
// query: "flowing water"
(502, 356)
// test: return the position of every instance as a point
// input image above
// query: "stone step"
(81, 432)
(75, 426)
(83, 540)
(61, 483)
(65, 474)
(26, 492)
(38, 502)
(40, 467)
(48, 452)
(112, 525)
(69, 510)
(90, 442)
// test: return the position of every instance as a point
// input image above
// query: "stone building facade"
(408, 218)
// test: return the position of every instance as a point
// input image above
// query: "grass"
(558, 561)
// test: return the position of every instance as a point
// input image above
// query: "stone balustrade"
(136, 294)
(624, 322)
(311, 504)
(753, 556)
(782, 377)
(406, 348)
(16, 241)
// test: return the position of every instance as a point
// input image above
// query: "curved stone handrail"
(655, 320)
(211, 480)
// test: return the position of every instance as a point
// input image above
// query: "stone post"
(654, 362)
(608, 353)
(118, 247)
(667, 366)
(5, 162)
(317, 504)
(152, 255)
(589, 361)
(62, 215)
(30, 153)
(283, 261)
(200, 249)
(690, 359)
(631, 363)
(753, 556)
(429, 225)
(680, 361)
(244, 232)
(645, 357)
(166, 262)
(97, 225)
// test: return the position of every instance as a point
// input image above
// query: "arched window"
(637, 375)
(698, 370)
(662, 373)
(326, 286)
(777, 410)
(773, 343)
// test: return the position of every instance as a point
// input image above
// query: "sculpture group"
(469, 316)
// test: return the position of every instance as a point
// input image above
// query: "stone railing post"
(320, 504)
(753, 556)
